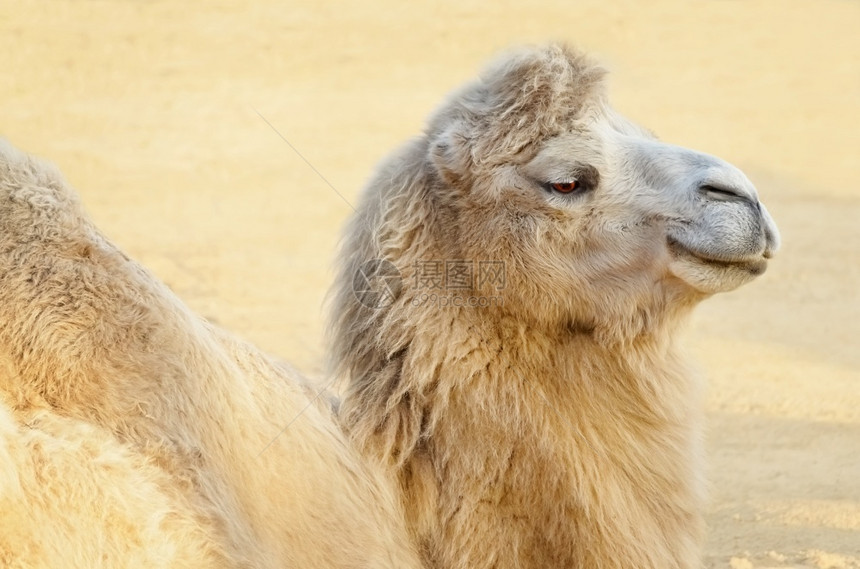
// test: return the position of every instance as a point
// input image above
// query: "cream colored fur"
(134, 434)
(558, 427)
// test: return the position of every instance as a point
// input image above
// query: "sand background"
(151, 110)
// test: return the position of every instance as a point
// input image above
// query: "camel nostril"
(722, 193)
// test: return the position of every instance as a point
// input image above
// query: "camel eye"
(565, 187)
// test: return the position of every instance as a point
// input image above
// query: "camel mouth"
(753, 266)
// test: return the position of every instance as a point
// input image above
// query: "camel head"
(586, 208)
(599, 225)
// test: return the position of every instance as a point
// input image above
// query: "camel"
(520, 378)
(135, 434)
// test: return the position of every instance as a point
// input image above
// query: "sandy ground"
(151, 109)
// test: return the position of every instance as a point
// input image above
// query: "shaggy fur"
(552, 424)
(134, 434)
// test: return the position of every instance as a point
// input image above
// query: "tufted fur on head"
(518, 376)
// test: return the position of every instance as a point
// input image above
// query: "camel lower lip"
(754, 267)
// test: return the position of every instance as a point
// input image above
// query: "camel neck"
(509, 427)
(482, 374)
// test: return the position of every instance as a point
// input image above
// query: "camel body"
(134, 434)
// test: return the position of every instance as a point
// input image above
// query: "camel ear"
(451, 153)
